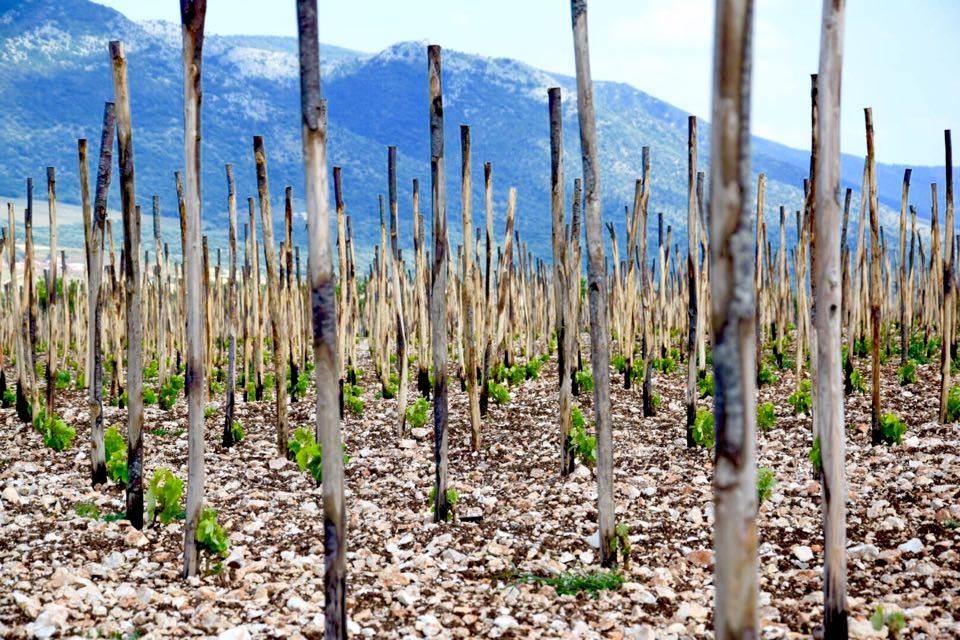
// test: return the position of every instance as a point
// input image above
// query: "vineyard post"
(469, 329)
(438, 291)
(228, 438)
(597, 285)
(875, 282)
(193, 16)
(733, 315)
(131, 249)
(323, 309)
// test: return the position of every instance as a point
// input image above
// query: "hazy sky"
(899, 57)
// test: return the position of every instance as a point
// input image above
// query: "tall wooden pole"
(949, 292)
(732, 301)
(597, 285)
(323, 303)
(52, 298)
(560, 290)
(438, 288)
(693, 286)
(874, 280)
(469, 321)
(98, 468)
(398, 302)
(828, 282)
(192, 16)
(231, 313)
(131, 248)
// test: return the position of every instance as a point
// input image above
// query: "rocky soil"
(63, 574)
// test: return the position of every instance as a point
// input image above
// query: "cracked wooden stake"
(94, 244)
(131, 267)
(597, 283)
(733, 319)
(192, 16)
(438, 291)
(231, 307)
(828, 280)
(469, 321)
(52, 297)
(323, 307)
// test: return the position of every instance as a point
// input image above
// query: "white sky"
(900, 57)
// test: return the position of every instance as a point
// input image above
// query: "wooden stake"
(193, 17)
(323, 301)
(599, 329)
(733, 314)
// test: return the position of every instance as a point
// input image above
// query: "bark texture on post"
(597, 283)
(949, 291)
(875, 282)
(438, 289)
(324, 314)
(231, 313)
(828, 282)
(98, 463)
(277, 323)
(693, 285)
(131, 248)
(560, 290)
(193, 15)
(732, 300)
(469, 321)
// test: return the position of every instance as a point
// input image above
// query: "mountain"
(55, 76)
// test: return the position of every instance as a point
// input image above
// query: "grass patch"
(572, 583)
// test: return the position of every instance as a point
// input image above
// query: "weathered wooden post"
(949, 292)
(438, 289)
(732, 301)
(693, 285)
(231, 313)
(828, 279)
(560, 290)
(875, 282)
(397, 272)
(323, 304)
(192, 17)
(469, 323)
(52, 298)
(597, 283)
(94, 243)
(131, 248)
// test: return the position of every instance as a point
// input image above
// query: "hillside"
(54, 78)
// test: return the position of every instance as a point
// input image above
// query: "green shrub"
(766, 376)
(149, 396)
(169, 392)
(892, 429)
(210, 535)
(87, 510)
(9, 398)
(953, 404)
(857, 382)
(815, 457)
(115, 449)
(308, 453)
(208, 412)
(62, 380)
(583, 446)
(417, 413)
(703, 433)
(585, 380)
(656, 400)
(766, 416)
(498, 392)
(453, 497)
(353, 399)
(533, 367)
(163, 496)
(568, 584)
(894, 622)
(705, 385)
(516, 374)
(665, 365)
(907, 374)
(800, 399)
(56, 433)
(619, 363)
(236, 429)
(152, 371)
(766, 479)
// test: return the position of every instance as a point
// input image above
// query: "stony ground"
(61, 573)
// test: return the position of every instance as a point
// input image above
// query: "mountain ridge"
(54, 78)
